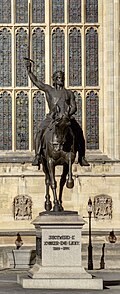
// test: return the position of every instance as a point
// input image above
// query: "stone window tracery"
(5, 58)
(75, 58)
(5, 121)
(57, 11)
(38, 52)
(64, 35)
(74, 11)
(78, 114)
(21, 53)
(38, 8)
(22, 125)
(91, 11)
(38, 110)
(92, 120)
(58, 50)
(92, 57)
(21, 11)
(5, 11)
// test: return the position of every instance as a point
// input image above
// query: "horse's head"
(60, 119)
(60, 129)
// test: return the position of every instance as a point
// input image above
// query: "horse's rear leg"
(62, 183)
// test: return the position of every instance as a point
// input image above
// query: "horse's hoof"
(70, 184)
(56, 207)
(61, 207)
(48, 205)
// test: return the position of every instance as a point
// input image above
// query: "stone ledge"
(61, 283)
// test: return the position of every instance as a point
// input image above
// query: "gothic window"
(22, 126)
(64, 35)
(38, 50)
(91, 11)
(57, 11)
(58, 50)
(75, 58)
(91, 57)
(74, 11)
(5, 121)
(78, 115)
(38, 110)
(38, 8)
(5, 58)
(92, 120)
(21, 11)
(21, 53)
(5, 11)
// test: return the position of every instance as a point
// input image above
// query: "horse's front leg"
(51, 168)
(48, 203)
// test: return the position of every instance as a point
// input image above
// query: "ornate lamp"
(90, 259)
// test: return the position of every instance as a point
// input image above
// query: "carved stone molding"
(22, 207)
(103, 206)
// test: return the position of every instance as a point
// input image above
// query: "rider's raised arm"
(73, 106)
(42, 86)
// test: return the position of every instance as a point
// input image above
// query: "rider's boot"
(81, 156)
(83, 161)
(36, 160)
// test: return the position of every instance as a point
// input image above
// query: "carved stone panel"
(22, 207)
(103, 207)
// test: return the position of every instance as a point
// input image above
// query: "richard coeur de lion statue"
(57, 95)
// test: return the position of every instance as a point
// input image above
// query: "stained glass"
(21, 52)
(74, 11)
(5, 11)
(92, 57)
(58, 50)
(91, 11)
(38, 11)
(22, 126)
(38, 48)
(75, 58)
(21, 11)
(38, 110)
(78, 115)
(92, 120)
(5, 121)
(5, 58)
(57, 11)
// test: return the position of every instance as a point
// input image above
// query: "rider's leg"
(80, 141)
(37, 159)
(38, 139)
(81, 150)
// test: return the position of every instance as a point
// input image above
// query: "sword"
(29, 36)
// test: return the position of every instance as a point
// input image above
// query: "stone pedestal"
(58, 248)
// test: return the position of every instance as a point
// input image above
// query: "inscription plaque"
(62, 247)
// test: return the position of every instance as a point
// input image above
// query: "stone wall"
(24, 184)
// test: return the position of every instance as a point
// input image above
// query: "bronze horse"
(58, 148)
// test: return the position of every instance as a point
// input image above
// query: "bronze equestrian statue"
(59, 136)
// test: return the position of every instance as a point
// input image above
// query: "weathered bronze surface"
(59, 136)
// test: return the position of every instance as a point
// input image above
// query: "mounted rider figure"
(64, 99)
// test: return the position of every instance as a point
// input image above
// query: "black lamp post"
(90, 259)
